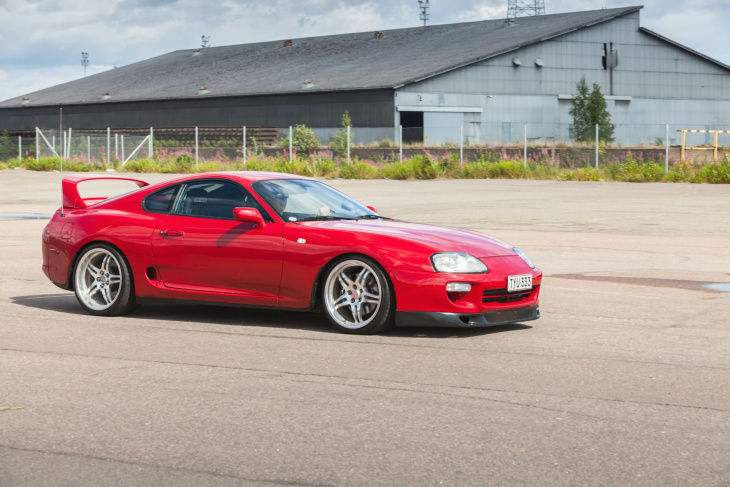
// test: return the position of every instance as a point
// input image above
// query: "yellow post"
(715, 145)
(684, 133)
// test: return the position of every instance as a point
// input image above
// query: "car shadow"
(433, 332)
(240, 316)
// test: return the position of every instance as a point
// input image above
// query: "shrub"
(399, 170)
(44, 164)
(339, 140)
(568, 176)
(142, 166)
(630, 170)
(494, 170)
(184, 163)
(324, 166)
(304, 140)
(714, 173)
(358, 170)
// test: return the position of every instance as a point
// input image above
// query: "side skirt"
(146, 300)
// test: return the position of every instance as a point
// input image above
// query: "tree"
(339, 140)
(589, 109)
(599, 114)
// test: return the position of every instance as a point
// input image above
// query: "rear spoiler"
(73, 201)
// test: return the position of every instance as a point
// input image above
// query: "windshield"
(303, 199)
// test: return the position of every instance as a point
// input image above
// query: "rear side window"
(161, 201)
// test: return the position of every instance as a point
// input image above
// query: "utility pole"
(84, 61)
(424, 5)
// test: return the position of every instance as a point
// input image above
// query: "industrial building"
(488, 79)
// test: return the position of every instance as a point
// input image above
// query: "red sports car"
(261, 239)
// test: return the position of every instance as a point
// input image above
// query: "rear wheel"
(103, 281)
(358, 297)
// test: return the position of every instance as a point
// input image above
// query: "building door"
(442, 128)
(412, 123)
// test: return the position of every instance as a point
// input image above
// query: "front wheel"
(103, 281)
(358, 297)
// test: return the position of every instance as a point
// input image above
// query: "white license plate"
(519, 283)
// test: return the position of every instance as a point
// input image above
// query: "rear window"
(161, 201)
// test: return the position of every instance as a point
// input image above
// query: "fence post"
(64, 147)
(348, 144)
(108, 145)
(596, 147)
(400, 141)
(116, 146)
(244, 147)
(37, 146)
(68, 144)
(196, 146)
(525, 154)
(291, 143)
(88, 149)
(123, 158)
(53, 142)
(152, 147)
(461, 147)
(666, 156)
(20, 149)
(684, 133)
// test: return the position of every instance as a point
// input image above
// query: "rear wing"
(72, 200)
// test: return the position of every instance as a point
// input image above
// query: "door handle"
(171, 233)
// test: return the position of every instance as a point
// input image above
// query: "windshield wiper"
(372, 217)
(322, 218)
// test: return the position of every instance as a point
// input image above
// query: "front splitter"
(460, 320)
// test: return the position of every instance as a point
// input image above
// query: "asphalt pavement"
(625, 380)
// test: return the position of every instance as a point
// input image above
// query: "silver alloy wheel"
(352, 294)
(98, 279)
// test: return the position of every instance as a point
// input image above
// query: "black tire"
(103, 281)
(357, 296)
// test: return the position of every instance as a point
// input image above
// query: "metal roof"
(339, 62)
(677, 44)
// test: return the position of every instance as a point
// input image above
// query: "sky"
(44, 39)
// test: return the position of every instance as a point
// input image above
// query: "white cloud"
(483, 11)
(44, 38)
(20, 81)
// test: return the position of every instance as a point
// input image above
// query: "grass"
(421, 166)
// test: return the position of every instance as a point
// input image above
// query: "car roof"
(241, 176)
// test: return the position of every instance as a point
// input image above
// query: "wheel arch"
(80, 251)
(316, 299)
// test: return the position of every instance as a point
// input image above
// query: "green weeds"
(421, 166)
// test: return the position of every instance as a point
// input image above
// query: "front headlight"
(457, 263)
(524, 257)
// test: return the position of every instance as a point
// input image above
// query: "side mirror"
(249, 215)
(373, 209)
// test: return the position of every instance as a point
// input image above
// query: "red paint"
(251, 262)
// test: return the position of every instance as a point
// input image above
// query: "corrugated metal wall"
(368, 109)
(666, 84)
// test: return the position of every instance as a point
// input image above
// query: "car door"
(201, 252)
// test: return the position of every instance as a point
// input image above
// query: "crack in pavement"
(400, 383)
(166, 467)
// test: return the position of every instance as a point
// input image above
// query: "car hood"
(426, 237)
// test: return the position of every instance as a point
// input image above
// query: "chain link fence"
(113, 148)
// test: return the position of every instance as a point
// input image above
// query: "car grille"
(502, 296)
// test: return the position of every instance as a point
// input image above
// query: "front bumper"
(469, 320)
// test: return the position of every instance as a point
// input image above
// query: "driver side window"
(214, 199)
